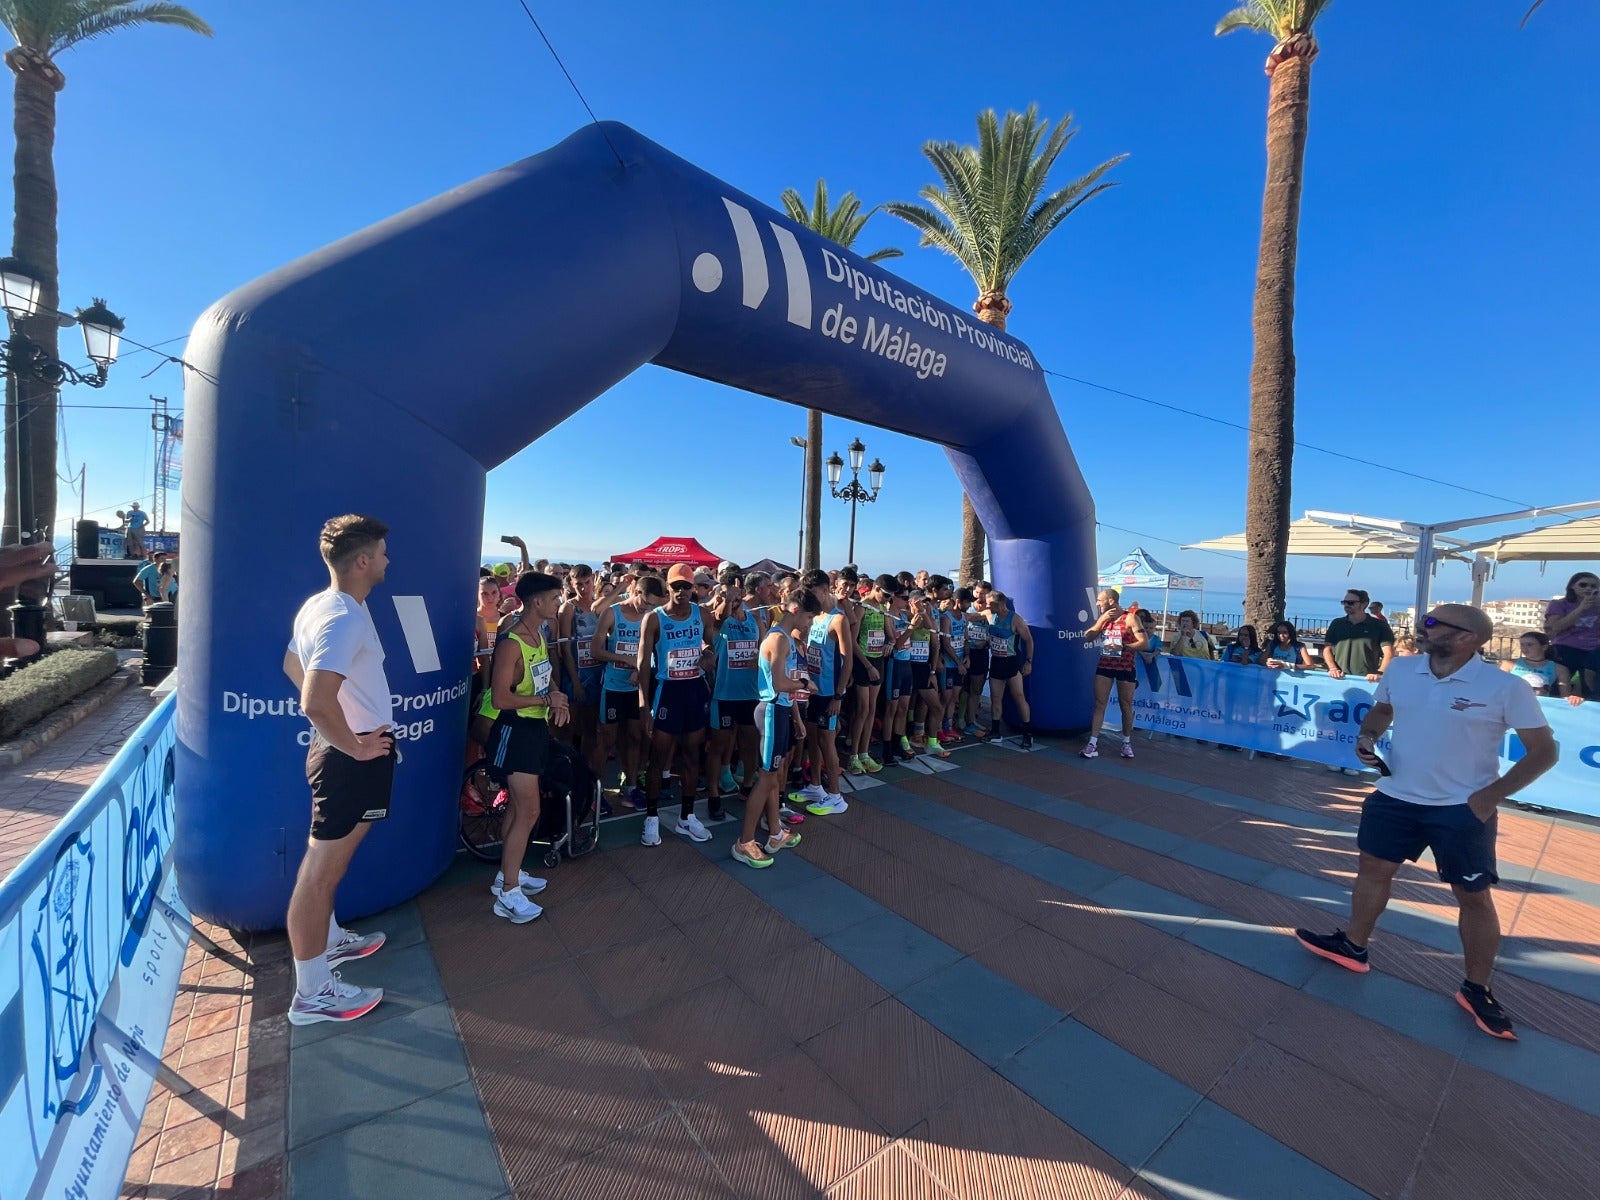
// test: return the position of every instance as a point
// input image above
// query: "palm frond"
(886, 252)
(841, 223)
(84, 20)
(1525, 16)
(1277, 19)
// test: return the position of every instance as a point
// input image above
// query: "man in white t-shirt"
(1442, 786)
(336, 661)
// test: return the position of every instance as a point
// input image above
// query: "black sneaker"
(1486, 1011)
(1336, 948)
(1027, 741)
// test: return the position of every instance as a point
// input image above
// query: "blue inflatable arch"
(389, 371)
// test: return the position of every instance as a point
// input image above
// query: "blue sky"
(1448, 246)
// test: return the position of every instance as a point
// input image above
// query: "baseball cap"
(502, 570)
(726, 565)
(681, 573)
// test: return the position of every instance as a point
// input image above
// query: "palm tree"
(989, 211)
(43, 29)
(1271, 444)
(841, 223)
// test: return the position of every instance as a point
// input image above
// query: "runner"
(977, 659)
(895, 699)
(616, 644)
(1121, 636)
(672, 690)
(828, 664)
(781, 683)
(527, 691)
(1010, 662)
(736, 636)
(580, 671)
(924, 649)
(953, 627)
(336, 661)
(867, 671)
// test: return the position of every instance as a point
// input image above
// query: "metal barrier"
(92, 941)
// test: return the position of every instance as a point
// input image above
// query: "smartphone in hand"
(508, 540)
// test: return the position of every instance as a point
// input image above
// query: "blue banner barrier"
(1310, 715)
(92, 939)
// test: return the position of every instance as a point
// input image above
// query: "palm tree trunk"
(1272, 368)
(973, 539)
(33, 241)
(812, 558)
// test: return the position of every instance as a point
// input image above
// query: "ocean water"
(1220, 604)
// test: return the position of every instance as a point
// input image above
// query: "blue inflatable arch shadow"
(389, 371)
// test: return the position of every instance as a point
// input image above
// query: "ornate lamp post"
(853, 491)
(27, 369)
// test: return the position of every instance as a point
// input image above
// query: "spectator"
(1573, 623)
(1375, 610)
(1153, 643)
(1405, 646)
(1537, 669)
(1357, 644)
(136, 519)
(1286, 650)
(1246, 649)
(1192, 641)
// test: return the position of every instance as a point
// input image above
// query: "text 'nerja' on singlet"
(1003, 644)
(823, 660)
(873, 635)
(678, 648)
(623, 639)
(738, 647)
(536, 675)
(767, 691)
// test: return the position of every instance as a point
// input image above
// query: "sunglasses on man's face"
(1350, 603)
(680, 586)
(1435, 623)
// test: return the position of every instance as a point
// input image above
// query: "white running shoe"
(829, 806)
(812, 793)
(1127, 750)
(337, 1001)
(652, 832)
(354, 945)
(690, 827)
(1092, 750)
(531, 885)
(515, 907)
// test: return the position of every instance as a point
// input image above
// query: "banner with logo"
(92, 940)
(1309, 715)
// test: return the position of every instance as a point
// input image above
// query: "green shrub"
(40, 688)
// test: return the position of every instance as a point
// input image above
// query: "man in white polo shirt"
(1450, 711)
(336, 661)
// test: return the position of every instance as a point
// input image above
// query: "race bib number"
(631, 649)
(1111, 643)
(979, 636)
(875, 640)
(585, 652)
(741, 655)
(683, 662)
(814, 658)
(541, 678)
(958, 643)
(919, 651)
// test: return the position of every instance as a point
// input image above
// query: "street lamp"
(29, 369)
(853, 491)
(805, 484)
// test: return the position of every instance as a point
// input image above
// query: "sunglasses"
(1350, 603)
(1434, 623)
(680, 586)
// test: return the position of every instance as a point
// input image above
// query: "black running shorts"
(345, 792)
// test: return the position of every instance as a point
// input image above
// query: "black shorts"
(897, 682)
(518, 746)
(1005, 667)
(1575, 659)
(1463, 846)
(733, 714)
(952, 678)
(345, 792)
(776, 722)
(858, 671)
(817, 715)
(977, 663)
(681, 706)
(618, 707)
(1121, 675)
(921, 676)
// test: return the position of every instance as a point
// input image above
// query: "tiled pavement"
(1028, 976)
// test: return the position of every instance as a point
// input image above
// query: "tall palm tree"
(841, 223)
(989, 211)
(1271, 443)
(44, 29)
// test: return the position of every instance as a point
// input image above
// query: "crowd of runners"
(730, 681)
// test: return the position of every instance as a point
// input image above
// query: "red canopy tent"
(665, 551)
